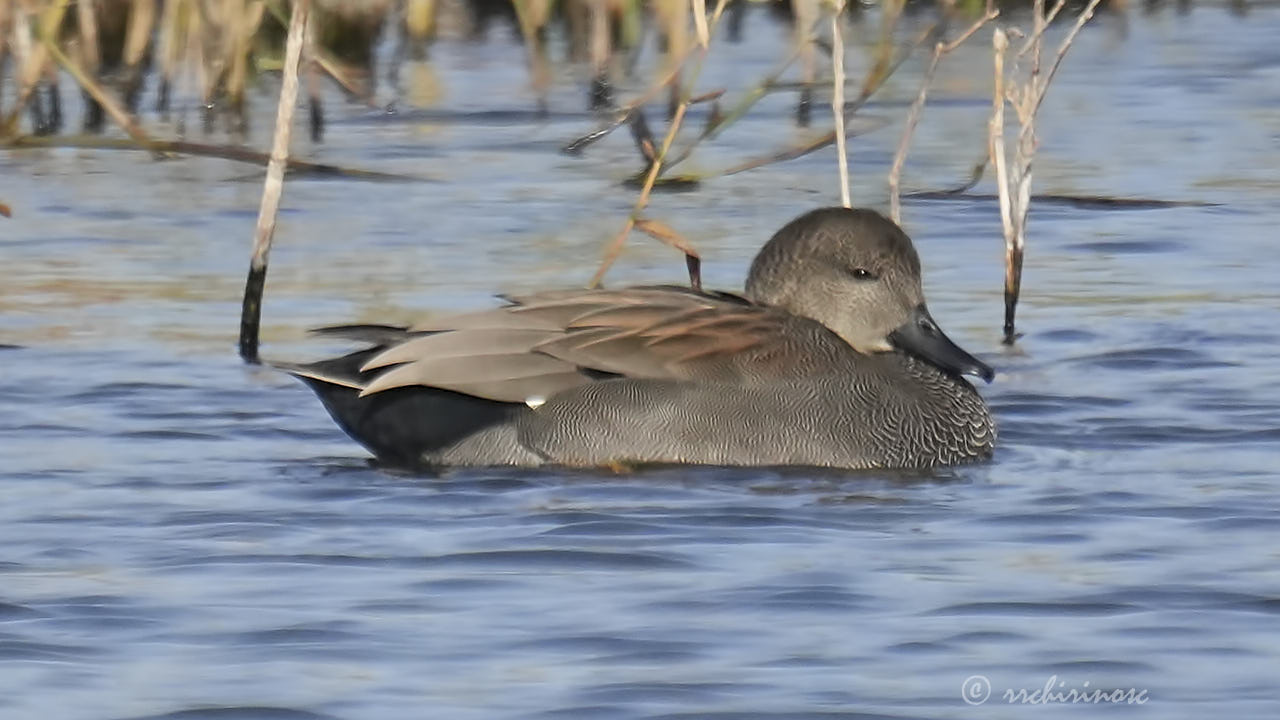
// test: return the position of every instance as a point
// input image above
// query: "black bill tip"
(922, 337)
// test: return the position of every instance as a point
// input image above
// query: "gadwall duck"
(830, 358)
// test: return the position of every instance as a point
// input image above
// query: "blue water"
(186, 537)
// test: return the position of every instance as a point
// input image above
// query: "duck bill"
(922, 337)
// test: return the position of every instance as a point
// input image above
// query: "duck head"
(857, 273)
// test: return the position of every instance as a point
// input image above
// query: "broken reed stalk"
(995, 134)
(665, 233)
(837, 100)
(655, 167)
(251, 310)
(1014, 181)
(1019, 175)
(940, 48)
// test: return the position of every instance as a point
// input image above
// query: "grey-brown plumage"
(831, 359)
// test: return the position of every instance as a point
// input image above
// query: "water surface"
(187, 537)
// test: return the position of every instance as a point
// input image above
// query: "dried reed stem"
(601, 94)
(138, 36)
(242, 25)
(1084, 17)
(138, 32)
(807, 17)
(168, 49)
(420, 17)
(89, 56)
(318, 56)
(837, 101)
(1023, 98)
(1014, 182)
(913, 115)
(891, 13)
(750, 98)
(874, 81)
(1038, 30)
(196, 79)
(251, 310)
(672, 19)
(86, 18)
(665, 233)
(34, 59)
(995, 135)
(6, 9)
(626, 112)
(531, 16)
(700, 23)
(615, 247)
(909, 128)
(315, 101)
(118, 113)
(995, 130)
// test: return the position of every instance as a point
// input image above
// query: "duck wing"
(541, 344)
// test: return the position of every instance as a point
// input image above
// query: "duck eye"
(862, 274)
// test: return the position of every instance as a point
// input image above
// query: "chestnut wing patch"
(542, 344)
